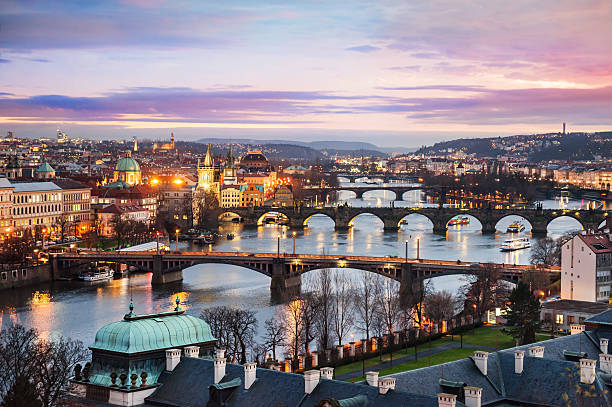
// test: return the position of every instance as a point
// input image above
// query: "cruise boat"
(461, 220)
(515, 244)
(515, 227)
(102, 273)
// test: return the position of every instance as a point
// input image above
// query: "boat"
(98, 274)
(515, 244)
(461, 220)
(205, 239)
(515, 227)
(230, 236)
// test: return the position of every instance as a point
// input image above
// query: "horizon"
(400, 74)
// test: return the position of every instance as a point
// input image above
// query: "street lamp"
(406, 250)
(418, 248)
(177, 233)
(294, 233)
(157, 236)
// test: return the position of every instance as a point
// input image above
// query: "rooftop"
(597, 242)
(578, 306)
(35, 186)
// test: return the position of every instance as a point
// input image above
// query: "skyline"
(406, 74)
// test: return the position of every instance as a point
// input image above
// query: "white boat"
(515, 244)
(103, 273)
(515, 227)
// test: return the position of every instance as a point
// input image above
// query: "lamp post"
(294, 233)
(177, 233)
(44, 239)
(406, 250)
(157, 236)
(418, 248)
(278, 246)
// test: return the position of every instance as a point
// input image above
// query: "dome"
(146, 333)
(254, 159)
(126, 164)
(44, 167)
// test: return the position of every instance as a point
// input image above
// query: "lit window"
(559, 319)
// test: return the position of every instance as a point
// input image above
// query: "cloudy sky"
(390, 72)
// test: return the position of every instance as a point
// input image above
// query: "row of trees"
(34, 371)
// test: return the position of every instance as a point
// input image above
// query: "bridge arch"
(417, 218)
(320, 215)
(565, 222)
(228, 216)
(381, 189)
(278, 213)
(470, 216)
(351, 222)
(345, 192)
(502, 223)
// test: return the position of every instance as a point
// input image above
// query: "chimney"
(192, 351)
(605, 363)
(385, 384)
(587, 371)
(250, 374)
(315, 359)
(372, 379)
(576, 328)
(480, 358)
(311, 379)
(603, 345)
(536, 351)
(473, 396)
(220, 353)
(327, 373)
(219, 369)
(173, 357)
(340, 349)
(519, 356)
(446, 400)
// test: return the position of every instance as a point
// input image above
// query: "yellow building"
(251, 195)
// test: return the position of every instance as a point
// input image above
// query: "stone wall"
(14, 276)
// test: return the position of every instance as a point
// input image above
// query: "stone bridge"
(399, 191)
(391, 217)
(284, 270)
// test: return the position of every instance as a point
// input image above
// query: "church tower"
(229, 170)
(172, 141)
(206, 172)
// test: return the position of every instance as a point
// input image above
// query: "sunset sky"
(390, 72)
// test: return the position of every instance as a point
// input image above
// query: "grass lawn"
(436, 359)
(486, 336)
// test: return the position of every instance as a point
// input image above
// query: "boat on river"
(97, 274)
(515, 227)
(461, 220)
(515, 244)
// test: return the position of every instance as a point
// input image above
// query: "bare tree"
(387, 296)
(440, 306)
(484, 289)
(309, 316)
(274, 336)
(544, 252)
(365, 302)
(47, 364)
(323, 289)
(243, 325)
(342, 305)
(294, 325)
(234, 329)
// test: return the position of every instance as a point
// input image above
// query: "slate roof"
(5, 183)
(604, 318)
(35, 186)
(188, 386)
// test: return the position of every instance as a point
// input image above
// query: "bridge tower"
(284, 285)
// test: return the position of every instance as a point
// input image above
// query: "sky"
(395, 73)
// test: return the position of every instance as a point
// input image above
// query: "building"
(128, 171)
(230, 196)
(106, 217)
(586, 267)
(560, 315)
(45, 171)
(13, 169)
(77, 215)
(254, 161)
(283, 196)
(251, 195)
(37, 204)
(229, 176)
(176, 200)
(6, 205)
(164, 147)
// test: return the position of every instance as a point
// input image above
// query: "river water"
(78, 309)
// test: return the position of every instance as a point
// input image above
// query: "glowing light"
(154, 181)
(179, 181)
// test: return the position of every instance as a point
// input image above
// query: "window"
(14, 273)
(570, 319)
(4, 275)
(559, 319)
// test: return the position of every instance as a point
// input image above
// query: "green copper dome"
(127, 164)
(145, 333)
(44, 167)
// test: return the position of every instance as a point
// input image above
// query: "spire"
(131, 313)
(208, 161)
(229, 161)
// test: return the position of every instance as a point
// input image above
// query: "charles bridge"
(391, 217)
(285, 270)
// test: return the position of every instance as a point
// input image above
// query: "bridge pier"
(391, 225)
(283, 286)
(161, 276)
(409, 284)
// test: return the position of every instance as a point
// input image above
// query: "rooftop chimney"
(603, 345)
(311, 379)
(480, 358)
(587, 371)
(473, 396)
(576, 328)
(220, 353)
(519, 356)
(605, 363)
(173, 357)
(192, 351)
(446, 400)
(385, 384)
(372, 379)
(536, 351)
(327, 373)
(219, 369)
(250, 374)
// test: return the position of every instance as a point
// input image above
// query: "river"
(78, 310)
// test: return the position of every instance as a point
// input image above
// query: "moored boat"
(461, 220)
(515, 244)
(515, 227)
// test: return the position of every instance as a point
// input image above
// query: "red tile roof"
(597, 242)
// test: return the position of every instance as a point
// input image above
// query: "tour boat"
(102, 273)
(515, 227)
(462, 220)
(205, 239)
(230, 236)
(515, 244)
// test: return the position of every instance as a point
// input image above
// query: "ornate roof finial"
(178, 304)
(131, 313)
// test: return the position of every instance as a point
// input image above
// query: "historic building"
(107, 215)
(45, 171)
(164, 147)
(128, 170)
(251, 195)
(207, 183)
(283, 196)
(255, 161)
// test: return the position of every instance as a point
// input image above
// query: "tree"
(440, 306)
(523, 317)
(365, 300)
(121, 229)
(23, 393)
(294, 325)
(17, 248)
(205, 203)
(63, 223)
(323, 289)
(274, 335)
(387, 295)
(414, 302)
(342, 306)
(243, 325)
(545, 252)
(48, 364)
(234, 329)
(484, 289)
